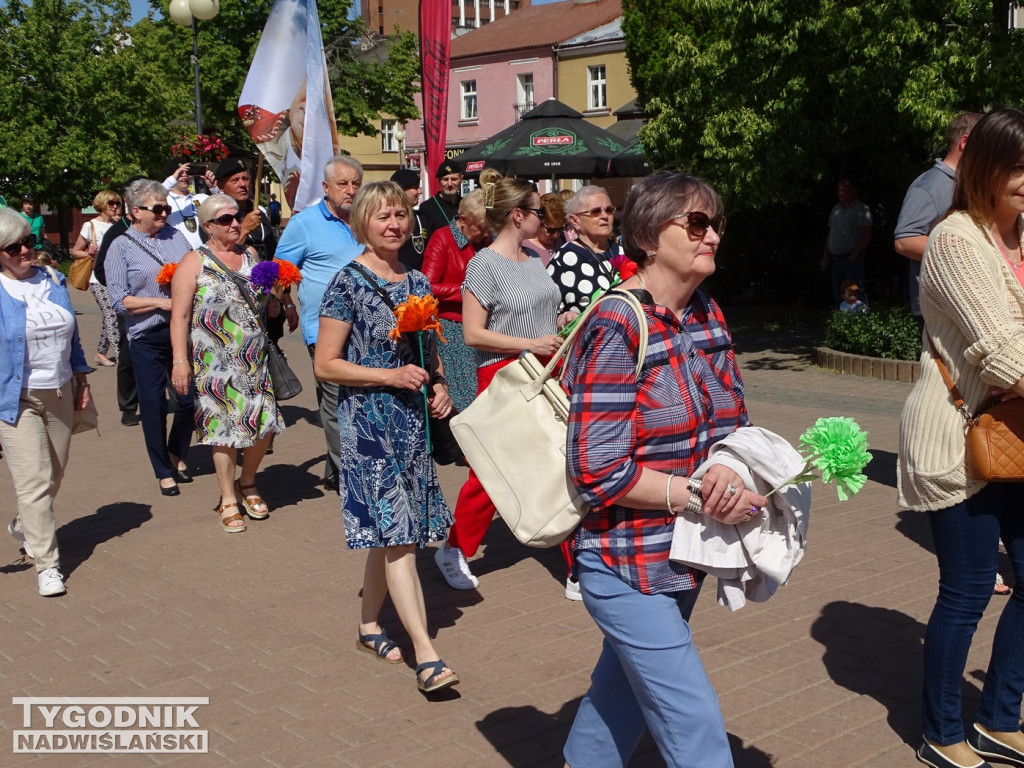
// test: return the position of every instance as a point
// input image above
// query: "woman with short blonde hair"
(108, 206)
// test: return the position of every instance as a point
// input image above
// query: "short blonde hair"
(472, 208)
(212, 206)
(370, 198)
(105, 196)
(554, 210)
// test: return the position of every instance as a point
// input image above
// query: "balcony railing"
(522, 108)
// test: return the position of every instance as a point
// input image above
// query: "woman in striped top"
(509, 306)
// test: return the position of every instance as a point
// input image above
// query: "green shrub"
(890, 333)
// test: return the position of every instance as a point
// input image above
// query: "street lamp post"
(187, 13)
(400, 138)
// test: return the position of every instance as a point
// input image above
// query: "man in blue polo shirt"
(927, 201)
(319, 242)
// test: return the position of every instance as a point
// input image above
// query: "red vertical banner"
(435, 52)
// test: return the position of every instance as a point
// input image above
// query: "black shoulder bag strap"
(368, 275)
(241, 284)
(148, 252)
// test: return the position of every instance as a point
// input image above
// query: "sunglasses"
(554, 230)
(225, 219)
(541, 212)
(698, 223)
(14, 249)
(158, 210)
(608, 209)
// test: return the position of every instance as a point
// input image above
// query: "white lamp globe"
(179, 11)
(204, 9)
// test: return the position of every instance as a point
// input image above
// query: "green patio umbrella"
(552, 140)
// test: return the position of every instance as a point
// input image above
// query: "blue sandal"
(379, 645)
(429, 685)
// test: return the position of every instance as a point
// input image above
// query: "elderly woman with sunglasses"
(133, 263)
(584, 265)
(218, 340)
(551, 236)
(633, 442)
(108, 204)
(42, 382)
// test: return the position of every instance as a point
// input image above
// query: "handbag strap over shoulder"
(634, 304)
(373, 284)
(148, 252)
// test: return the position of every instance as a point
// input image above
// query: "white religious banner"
(286, 105)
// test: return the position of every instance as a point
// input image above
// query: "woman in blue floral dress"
(390, 496)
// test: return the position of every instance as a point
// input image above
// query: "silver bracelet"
(668, 495)
(695, 504)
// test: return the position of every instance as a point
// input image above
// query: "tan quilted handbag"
(513, 436)
(994, 435)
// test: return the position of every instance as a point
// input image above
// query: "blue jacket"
(12, 346)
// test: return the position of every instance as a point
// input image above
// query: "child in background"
(851, 303)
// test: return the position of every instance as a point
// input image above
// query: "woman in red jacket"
(444, 263)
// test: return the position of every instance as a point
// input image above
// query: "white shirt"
(93, 232)
(185, 208)
(49, 329)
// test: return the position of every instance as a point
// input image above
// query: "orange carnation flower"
(417, 313)
(165, 274)
(288, 274)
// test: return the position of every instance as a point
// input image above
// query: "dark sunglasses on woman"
(698, 223)
(158, 210)
(29, 241)
(225, 219)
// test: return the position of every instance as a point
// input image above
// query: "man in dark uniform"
(234, 181)
(411, 253)
(441, 209)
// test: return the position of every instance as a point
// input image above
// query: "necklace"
(640, 279)
(1014, 265)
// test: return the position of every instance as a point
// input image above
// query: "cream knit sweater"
(973, 309)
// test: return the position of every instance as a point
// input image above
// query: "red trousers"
(474, 509)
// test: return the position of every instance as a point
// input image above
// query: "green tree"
(770, 99)
(81, 104)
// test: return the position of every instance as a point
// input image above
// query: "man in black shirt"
(441, 209)
(411, 253)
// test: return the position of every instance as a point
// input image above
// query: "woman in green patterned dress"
(217, 340)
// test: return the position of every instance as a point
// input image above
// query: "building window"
(524, 90)
(388, 143)
(469, 99)
(597, 88)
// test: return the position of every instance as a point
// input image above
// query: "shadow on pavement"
(876, 652)
(528, 738)
(78, 538)
(285, 485)
(915, 526)
(882, 468)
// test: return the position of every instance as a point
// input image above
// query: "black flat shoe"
(182, 476)
(929, 755)
(986, 746)
(172, 491)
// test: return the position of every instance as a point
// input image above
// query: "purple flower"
(264, 275)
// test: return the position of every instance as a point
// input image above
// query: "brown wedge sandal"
(255, 506)
(226, 523)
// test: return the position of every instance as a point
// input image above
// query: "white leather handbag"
(513, 436)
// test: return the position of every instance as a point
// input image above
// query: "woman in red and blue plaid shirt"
(633, 443)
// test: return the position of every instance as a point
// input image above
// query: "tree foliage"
(770, 99)
(87, 100)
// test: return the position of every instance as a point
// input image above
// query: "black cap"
(174, 164)
(28, 198)
(446, 168)
(406, 178)
(229, 168)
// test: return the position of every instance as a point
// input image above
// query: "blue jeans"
(967, 544)
(151, 362)
(648, 676)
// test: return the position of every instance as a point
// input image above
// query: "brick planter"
(869, 367)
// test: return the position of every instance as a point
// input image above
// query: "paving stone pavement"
(161, 603)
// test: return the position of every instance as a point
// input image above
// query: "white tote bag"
(513, 436)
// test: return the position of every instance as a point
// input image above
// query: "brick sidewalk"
(161, 603)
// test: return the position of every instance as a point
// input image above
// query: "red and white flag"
(286, 104)
(435, 54)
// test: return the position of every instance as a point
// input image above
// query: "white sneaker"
(51, 582)
(20, 538)
(572, 590)
(454, 568)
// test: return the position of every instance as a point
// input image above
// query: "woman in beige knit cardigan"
(972, 299)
